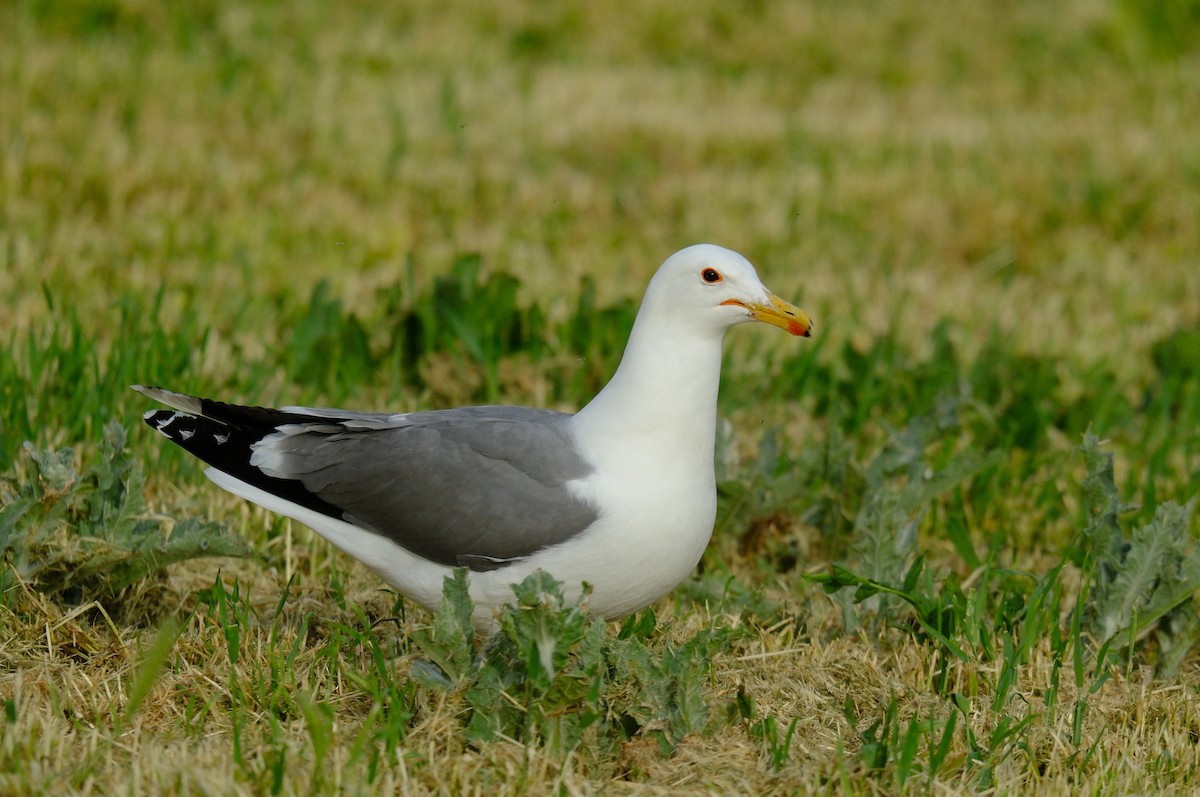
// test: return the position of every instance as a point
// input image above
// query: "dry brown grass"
(68, 677)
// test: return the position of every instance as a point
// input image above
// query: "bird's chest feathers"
(653, 486)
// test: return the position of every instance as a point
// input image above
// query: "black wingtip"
(181, 428)
(229, 448)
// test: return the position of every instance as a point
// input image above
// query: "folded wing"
(477, 487)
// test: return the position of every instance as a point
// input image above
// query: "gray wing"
(477, 486)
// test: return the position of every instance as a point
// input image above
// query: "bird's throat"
(665, 390)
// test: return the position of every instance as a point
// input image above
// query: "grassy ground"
(991, 212)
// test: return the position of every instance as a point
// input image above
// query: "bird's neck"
(664, 391)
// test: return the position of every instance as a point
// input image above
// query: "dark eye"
(710, 275)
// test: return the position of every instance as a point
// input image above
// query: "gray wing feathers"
(476, 486)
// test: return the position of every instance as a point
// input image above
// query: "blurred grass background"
(1021, 166)
(421, 204)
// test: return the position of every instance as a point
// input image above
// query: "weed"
(79, 535)
(550, 675)
(1143, 584)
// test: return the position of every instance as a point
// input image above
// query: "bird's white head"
(712, 288)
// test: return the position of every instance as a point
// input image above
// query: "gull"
(620, 496)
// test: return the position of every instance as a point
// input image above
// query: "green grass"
(928, 574)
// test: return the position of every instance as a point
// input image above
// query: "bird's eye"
(711, 276)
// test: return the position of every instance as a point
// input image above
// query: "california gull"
(620, 495)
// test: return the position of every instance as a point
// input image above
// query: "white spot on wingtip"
(186, 434)
(221, 439)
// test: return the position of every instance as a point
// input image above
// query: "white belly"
(649, 537)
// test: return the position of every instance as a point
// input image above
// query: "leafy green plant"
(536, 680)
(86, 534)
(904, 480)
(550, 674)
(670, 684)
(1142, 584)
(550, 689)
(752, 493)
